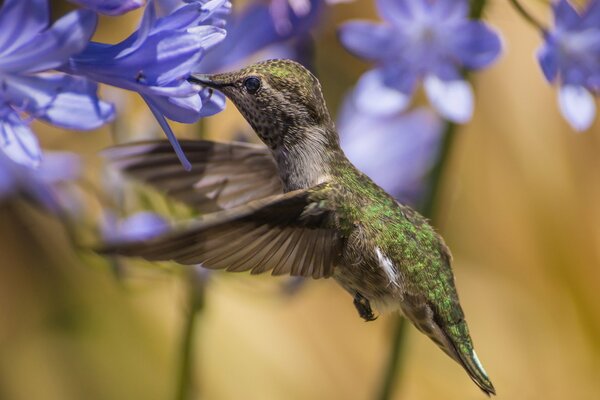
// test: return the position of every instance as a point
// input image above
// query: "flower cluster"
(427, 41)
(50, 72)
(570, 56)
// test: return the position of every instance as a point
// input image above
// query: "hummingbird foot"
(364, 308)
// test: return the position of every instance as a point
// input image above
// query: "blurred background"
(519, 206)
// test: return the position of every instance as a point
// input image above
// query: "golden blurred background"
(519, 207)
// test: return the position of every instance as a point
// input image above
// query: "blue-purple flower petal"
(52, 47)
(63, 100)
(476, 45)
(110, 7)
(17, 141)
(157, 112)
(21, 20)
(396, 151)
(425, 39)
(140, 226)
(367, 39)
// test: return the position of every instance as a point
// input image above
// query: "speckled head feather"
(275, 96)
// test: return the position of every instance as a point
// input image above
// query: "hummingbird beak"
(208, 80)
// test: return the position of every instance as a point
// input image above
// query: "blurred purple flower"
(255, 30)
(40, 185)
(428, 40)
(396, 151)
(285, 13)
(140, 226)
(156, 60)
(111, 7)
(27, 48)
(571, 57)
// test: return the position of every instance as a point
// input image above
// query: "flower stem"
(394, 365)
(194, 307)
(527, 16)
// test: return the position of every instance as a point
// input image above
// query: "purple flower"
(285, 12)
(396, 150)
(422, 40)
(255, 29)
(156, 60)
(110, 7)
(571, 57)
(41, 185)
(140, 226)
(28, 47)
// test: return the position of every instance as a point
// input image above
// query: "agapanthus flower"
(28, 47)
(143, 225)
(253, 30)
(156, 60)
(41, 185)
(111, 7)
(570, 57)
(397, 151)
(421, 40)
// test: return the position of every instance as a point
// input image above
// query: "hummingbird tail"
(468, 358)
(452, 338)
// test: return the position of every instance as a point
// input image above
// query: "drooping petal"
(374, 96)
(17, 141)
(475, 44)
(21, 20)
(170, 135)
(367, 40)
(52, 48)
(60, 99)
(452, 99)
(577, 106)
(110, 7)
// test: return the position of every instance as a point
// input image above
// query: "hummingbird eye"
(252, 84)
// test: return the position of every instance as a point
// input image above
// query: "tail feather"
(469, 360)
(452, 338)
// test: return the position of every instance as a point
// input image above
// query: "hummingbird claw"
(364, 307)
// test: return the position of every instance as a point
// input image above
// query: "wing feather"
(272, 234)
(223, 175)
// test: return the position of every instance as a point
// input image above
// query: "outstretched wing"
(223, 175)
(290, 233)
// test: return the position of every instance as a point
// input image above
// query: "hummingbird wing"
(290, 234)
(223, 175)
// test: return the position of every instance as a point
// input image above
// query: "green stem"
(435, 176)
(393, 369)
(527, 16)
(186, 360)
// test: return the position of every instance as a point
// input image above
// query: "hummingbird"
(298, 207)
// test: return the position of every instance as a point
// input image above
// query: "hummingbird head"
(280, 99)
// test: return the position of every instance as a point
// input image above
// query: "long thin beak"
(207, 80)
